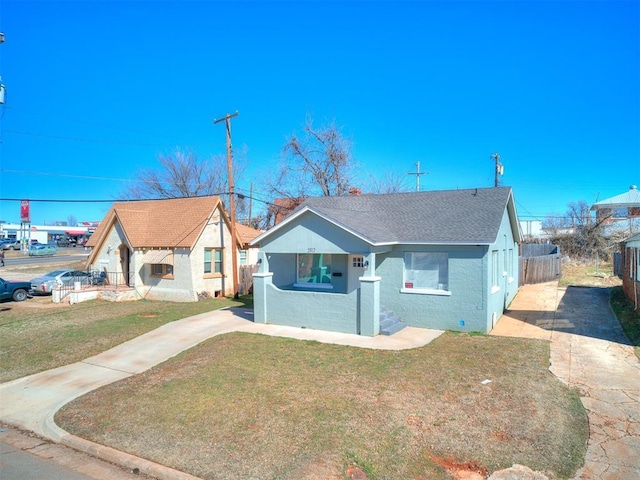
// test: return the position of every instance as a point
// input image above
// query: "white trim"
(370, 279)
(315, 286)
(426, 291)
(263, 275)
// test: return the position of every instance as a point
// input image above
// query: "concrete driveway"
(591, 353)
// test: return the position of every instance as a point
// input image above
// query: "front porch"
(112, 293)
(355, 312)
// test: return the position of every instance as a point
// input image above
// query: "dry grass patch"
(250, 406)
(588, 274)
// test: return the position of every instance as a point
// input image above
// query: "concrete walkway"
(589, 352)
(30, 403)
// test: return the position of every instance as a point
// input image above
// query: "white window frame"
(495, 285)
(510, 265)
(413, 258)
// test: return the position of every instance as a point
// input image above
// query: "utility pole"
(499, 167)
(232, 209)
(417, 173)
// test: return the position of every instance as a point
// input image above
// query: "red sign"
(24, 212)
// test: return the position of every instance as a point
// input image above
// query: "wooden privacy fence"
(539, 263)
(245, 282)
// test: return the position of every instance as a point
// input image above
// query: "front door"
(356, 270)
(124, 264)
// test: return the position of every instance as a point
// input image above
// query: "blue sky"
(97, 89)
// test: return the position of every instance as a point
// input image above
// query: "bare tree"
(316, 163)
(555, 223)
(182, 175)
(389, 182)
(578, 234)
(72, 221)
(578, 214)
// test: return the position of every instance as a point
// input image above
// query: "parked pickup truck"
(16, 291)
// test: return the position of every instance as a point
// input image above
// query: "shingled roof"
(166, 223)
(470, 216)
(246, 234)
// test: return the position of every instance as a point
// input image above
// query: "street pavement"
(24, 456)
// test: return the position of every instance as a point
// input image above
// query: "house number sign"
(311, 250)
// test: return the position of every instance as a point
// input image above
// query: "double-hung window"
(314, 270)
(212, 261)
(426, 272)
(161, 270)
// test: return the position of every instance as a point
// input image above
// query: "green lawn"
(37, 335)
(255, 407)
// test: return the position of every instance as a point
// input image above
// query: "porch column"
(370, 306)
(260, 282)
(370, 262)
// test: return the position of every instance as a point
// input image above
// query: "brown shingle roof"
(246, 234)
(166, 223)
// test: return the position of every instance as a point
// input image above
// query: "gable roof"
(166, 223)
(631, 198)
(246, 234)
(470, 216)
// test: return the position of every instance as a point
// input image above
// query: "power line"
(87, 140)
(111, 200)
(67, 175)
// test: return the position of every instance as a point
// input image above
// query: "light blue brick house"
(439, 259)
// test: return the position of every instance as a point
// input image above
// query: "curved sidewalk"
(591, 353)
(30, 403)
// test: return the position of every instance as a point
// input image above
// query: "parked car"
(45, 283)
(67, 242)
(11, 245)
(14, 290)
(40, 249)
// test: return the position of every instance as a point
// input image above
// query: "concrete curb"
(126, 460)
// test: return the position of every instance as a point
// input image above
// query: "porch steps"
(390, 323)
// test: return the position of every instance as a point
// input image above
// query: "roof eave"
(302, 211)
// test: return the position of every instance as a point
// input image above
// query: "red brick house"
(630, 263)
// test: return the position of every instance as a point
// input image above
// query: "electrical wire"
(88, 140)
